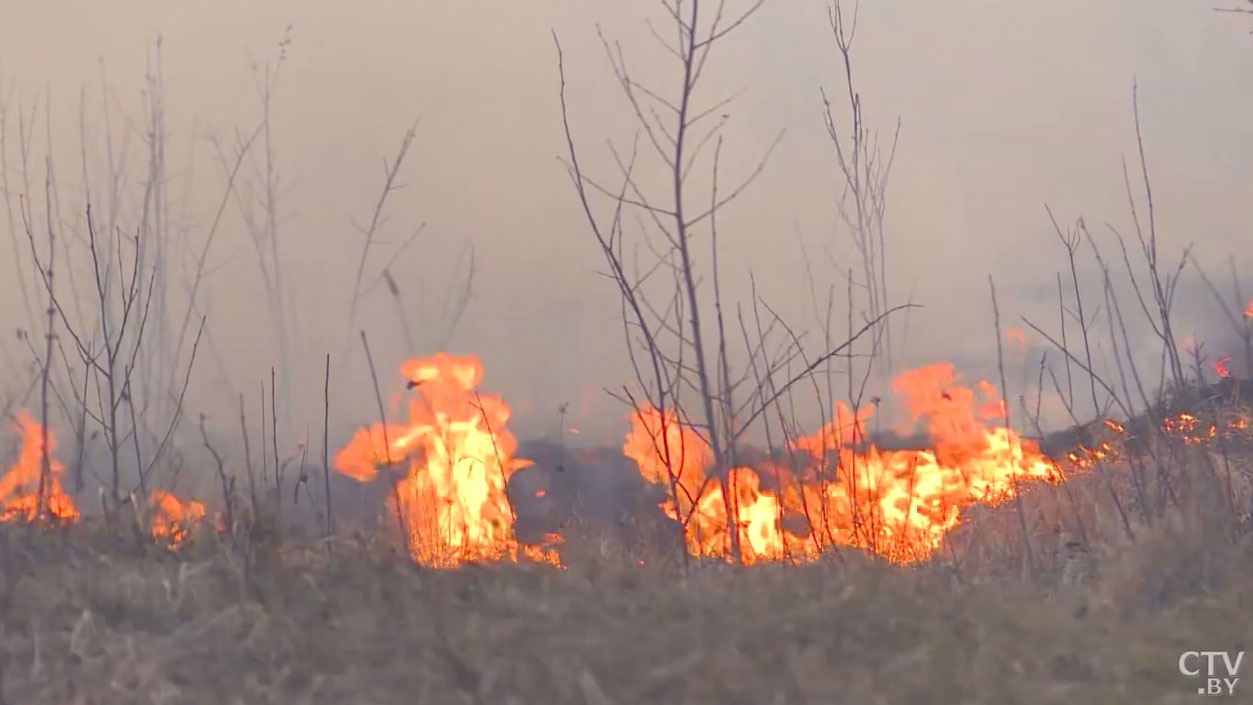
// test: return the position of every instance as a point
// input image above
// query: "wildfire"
(1248, 312)
(24, 495)
(173, 519)
(1221, 367)
(1190, 430)
(1182, 427)
(455, 457)
(834, 489)
(1085, 455)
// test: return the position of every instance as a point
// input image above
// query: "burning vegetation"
(454, 457)
(31, 490)
(173, 518)
(450, 461)
(834, 489)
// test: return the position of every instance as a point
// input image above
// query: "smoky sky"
(1003, 108)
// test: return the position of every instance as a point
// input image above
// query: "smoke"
(1004, 107)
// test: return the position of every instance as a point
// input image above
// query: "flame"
(455, 457)
(1248, 312)
(1221, 367)
(1102, 449)
(20, 486)
(837, 490)
(174, 518)
(1191, 430)
(1184, 427)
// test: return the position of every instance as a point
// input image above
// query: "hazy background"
(1004, 106)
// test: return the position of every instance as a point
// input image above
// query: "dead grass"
(94, 615)
(91, 618)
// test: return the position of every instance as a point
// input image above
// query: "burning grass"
(31, 492)
(190, 611)
(973, 567)
(833, 489)
(457, 457)
(452, 499)
(31, 489)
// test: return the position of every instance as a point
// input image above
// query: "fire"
(174, 518)
(1190, 430)
(837, 490)
(21, 486)
(1248, 312)
(1100, 451)
(454, 457)
(1221, 367)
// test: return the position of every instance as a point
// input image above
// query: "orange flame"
(452, 499)
(173, 519)
(20, 487)
(1248, 312)
(1221, 367)
(897, 503)
(1190, 430)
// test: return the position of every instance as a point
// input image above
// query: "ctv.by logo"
(1207, 664)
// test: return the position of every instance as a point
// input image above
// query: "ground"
(89, 617)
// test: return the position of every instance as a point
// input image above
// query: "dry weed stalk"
(1165, 482)
(866, 168)
(671, 338)
(401, 519)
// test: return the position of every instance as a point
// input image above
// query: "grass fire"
(452, 501)
(31, 489)
(839, 489)
(696, 352)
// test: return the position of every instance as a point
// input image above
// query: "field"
(92, 614)
(802, 504)
(89, 619)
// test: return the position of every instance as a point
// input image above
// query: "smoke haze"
(1003, 106)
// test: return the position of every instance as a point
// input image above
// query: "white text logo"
(1220, 670)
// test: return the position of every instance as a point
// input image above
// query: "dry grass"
(96, 615)
(91, 618)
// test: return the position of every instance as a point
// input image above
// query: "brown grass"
(93, 614)
(89, 617)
